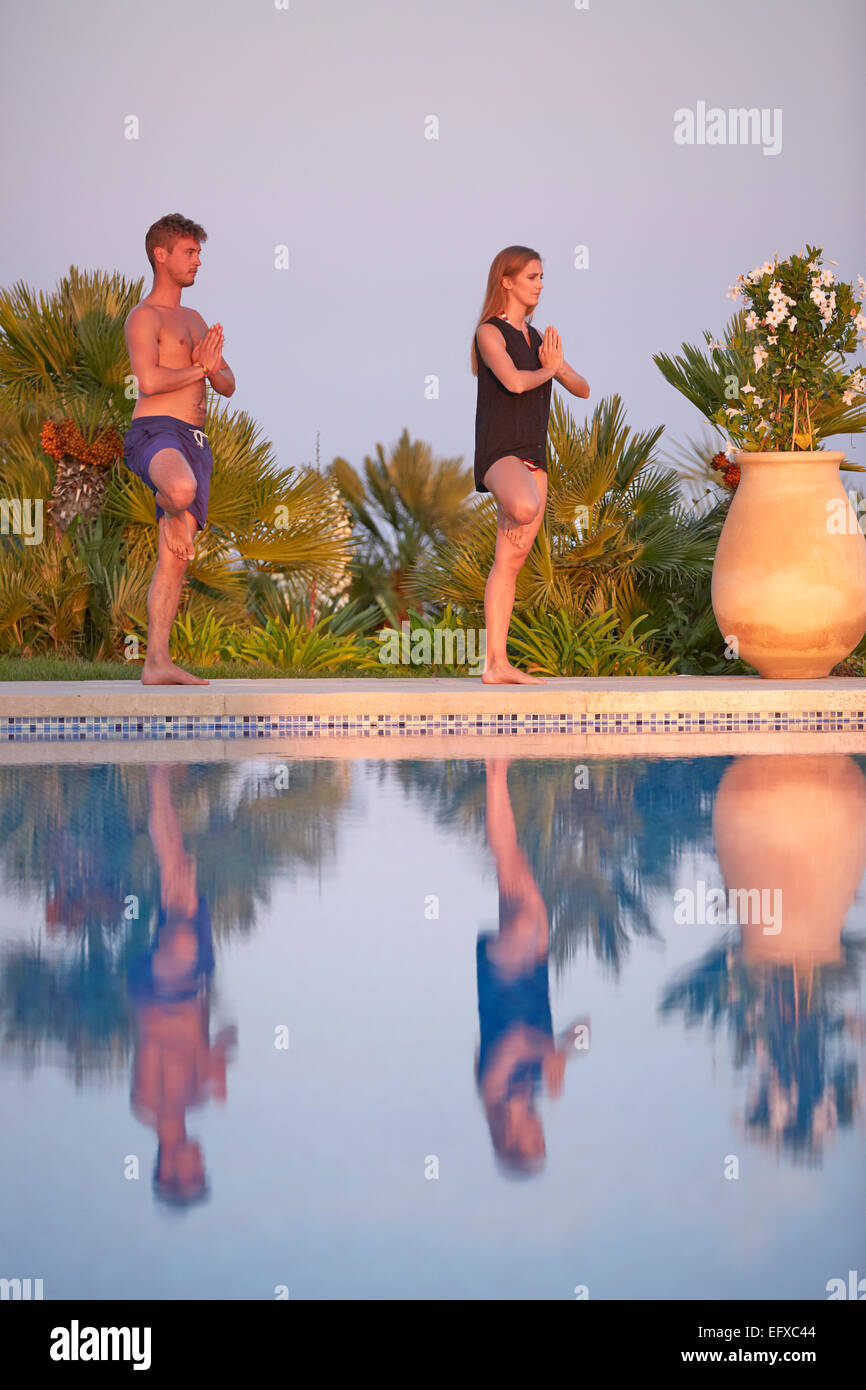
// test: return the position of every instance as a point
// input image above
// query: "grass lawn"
(55, 668)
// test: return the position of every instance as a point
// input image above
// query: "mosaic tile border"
(133, 728)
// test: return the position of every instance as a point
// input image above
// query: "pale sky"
(307, 126)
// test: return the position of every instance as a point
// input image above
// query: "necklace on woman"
(514, 325)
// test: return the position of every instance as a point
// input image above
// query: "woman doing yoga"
(515, 366)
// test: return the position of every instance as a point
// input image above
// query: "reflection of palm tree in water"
(790, 1024)
(176, 1066)
(518, 1051)
(794, 825)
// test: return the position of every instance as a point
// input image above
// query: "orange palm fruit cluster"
(60, 438)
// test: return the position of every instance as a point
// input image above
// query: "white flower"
(856, 386)
(748, 387)
(733, 292)
(758, 401)
(759, 355)
(777, 294)
(752, 320)
(731, 410)
(792, 323)
(773, 338)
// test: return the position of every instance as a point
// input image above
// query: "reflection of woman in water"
(518, 1051)
(175, 1066)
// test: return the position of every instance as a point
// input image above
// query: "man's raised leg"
(172, 475)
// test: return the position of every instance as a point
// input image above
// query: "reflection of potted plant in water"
(779, 822)
(793, 1027)
(518, 1051)
(789, 578)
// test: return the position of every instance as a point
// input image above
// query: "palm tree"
(65, 395)
(615, 534)
(596, 854)
(77, 836)
(792, 1027)
(402, 507)
(287, 523)
(63, 363)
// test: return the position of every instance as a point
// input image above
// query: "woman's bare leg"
(521, 496)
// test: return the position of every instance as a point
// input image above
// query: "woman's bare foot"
(166, 673)
(503, 673)
(515, 531)
(178, 532)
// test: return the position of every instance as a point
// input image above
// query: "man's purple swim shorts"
(149, 433)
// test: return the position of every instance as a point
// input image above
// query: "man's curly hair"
(166, 232)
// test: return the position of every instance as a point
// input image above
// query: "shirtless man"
(172, 352)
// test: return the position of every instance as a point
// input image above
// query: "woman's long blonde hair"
(506, 263)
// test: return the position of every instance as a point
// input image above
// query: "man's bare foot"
(166, 673)
(178, 532)
(503, 673)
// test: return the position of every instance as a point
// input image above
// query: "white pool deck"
(837, 699)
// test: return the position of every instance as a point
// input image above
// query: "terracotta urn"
(789, 577)
(794, 827)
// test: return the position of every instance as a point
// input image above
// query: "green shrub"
(550, 644)
(293, 644)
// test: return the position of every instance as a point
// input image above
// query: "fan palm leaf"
(402, 505)
(614, 532)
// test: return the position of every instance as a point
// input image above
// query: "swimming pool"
(423, 1028)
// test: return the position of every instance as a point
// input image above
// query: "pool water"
(502, 1028)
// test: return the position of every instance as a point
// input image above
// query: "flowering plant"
(799, 324)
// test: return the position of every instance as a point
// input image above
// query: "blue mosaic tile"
(170, 728)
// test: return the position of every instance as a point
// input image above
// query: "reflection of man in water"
(518, 1051)
(175, 1065)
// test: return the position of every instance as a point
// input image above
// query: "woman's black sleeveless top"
(505, 422)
